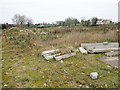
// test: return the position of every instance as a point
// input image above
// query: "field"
(24, 67)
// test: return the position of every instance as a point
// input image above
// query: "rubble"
(49, 52)
(100, 47)
(112, 53)
(64, 56)
(49, 56)
(55, 54)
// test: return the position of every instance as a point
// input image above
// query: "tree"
(85, 22)
(29, 21)
(21, 20)
(76, 22)
(71, 21)
(94, 21)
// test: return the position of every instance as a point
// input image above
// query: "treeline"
(23, 21)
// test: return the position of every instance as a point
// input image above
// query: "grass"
(24, 67)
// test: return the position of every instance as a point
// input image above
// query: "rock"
(5, 85)
(61, 61)
(80, 85)
(94, 75)
(108, 66)
(45, 84)
(87, 86)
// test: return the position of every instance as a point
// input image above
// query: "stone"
(61, 61)
(5, 85)
(94, 75)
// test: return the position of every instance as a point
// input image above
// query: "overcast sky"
(55, 10)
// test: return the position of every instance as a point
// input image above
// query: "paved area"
(113, 61)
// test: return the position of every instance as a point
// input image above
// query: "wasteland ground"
(24, 67)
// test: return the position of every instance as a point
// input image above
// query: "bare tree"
(21, 20)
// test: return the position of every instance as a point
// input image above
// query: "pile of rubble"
(56, 54)
(99, 47)
(110, 49)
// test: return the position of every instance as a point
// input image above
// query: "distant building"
(103, 21)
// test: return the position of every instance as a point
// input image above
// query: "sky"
(57, 10)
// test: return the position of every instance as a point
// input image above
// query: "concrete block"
(101, 47)
(49, 52)
(82, 50)
(49, 56)
(64, 56)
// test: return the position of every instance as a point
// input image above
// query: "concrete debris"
(49, 56)
(82, 50)
(94, 75)
(55, 54)
(112, 53)
(49, 52)
(61, 57)
(43, 33)
(100, 47)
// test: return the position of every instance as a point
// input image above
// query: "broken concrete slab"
(50, 52)
(100, 47)
(49, 57)
(64, 56)
(82, 50)
(113, 61)
(112, 53)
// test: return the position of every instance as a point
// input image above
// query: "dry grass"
(76, 38)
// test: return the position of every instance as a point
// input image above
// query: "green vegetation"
(24, 67)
